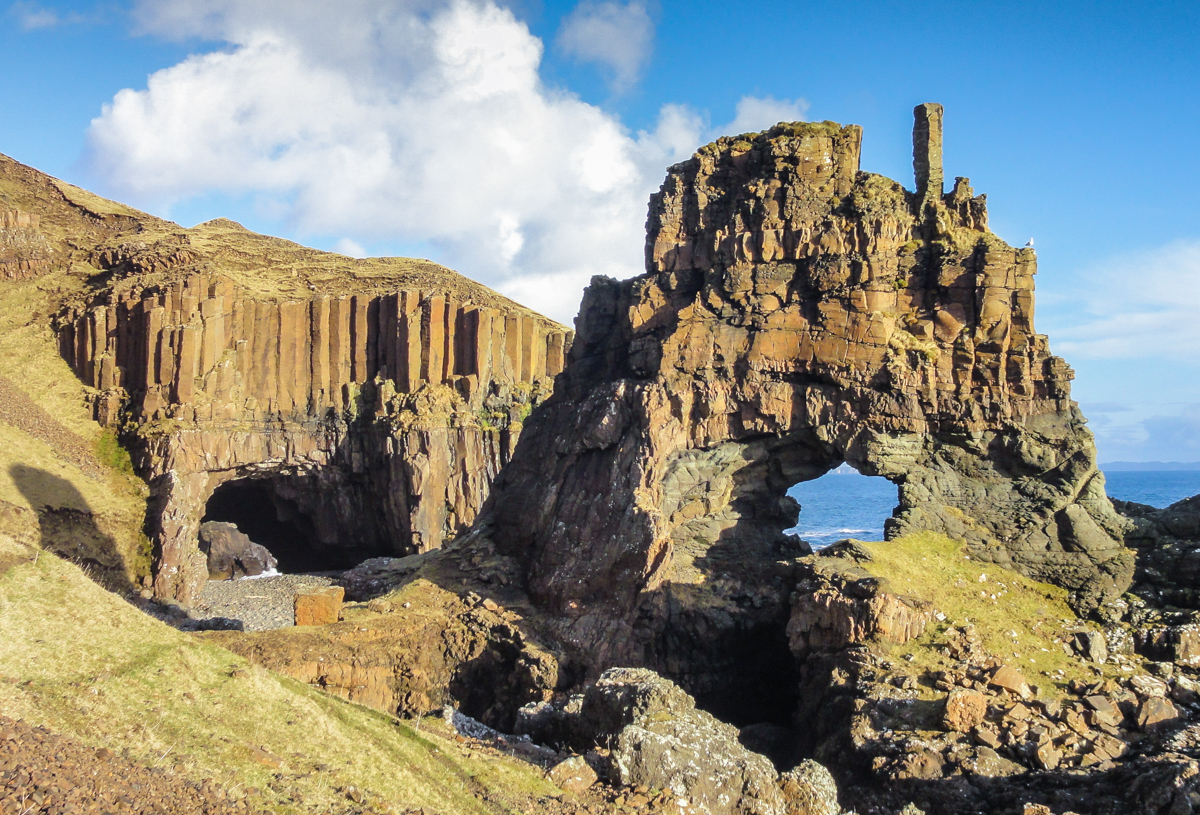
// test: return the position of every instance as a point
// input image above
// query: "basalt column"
(796, 313)
(385, 416)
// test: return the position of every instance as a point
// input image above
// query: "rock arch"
(796, 313)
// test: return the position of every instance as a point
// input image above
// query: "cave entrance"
(841, 504)
(289, 516)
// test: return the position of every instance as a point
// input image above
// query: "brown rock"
(573, 775)
(1009, 679)
(1048, 757)
(792, 318)
(1156, 713)
(319, 606)
(965, 709)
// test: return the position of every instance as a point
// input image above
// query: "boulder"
(1091, 645)
(1010, 679)
(1156, 713)
(964, 711)
(809, 789)
(321, 606)
(231, 553)
(573, 775)
(659, 740)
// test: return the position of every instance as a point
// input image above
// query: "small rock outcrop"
(231, 554)
(659, 740)
(24, 250)
(796, 313)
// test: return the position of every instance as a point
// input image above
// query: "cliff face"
(363, 406)
(374, 412)
(796, 313)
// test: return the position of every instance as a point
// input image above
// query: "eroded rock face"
(379, 408)
(24, 250)
(796, 314)
(659, 740)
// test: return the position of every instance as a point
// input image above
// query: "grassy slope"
(29, 359)
(1023, 625)
(84, 663)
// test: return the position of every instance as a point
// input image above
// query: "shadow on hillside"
(68, 528)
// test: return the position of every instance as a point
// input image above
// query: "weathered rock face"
(796, 314)
(836, 606)
(378, 407)
(659, 740)
(24, 251)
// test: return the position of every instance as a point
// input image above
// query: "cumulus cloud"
(617, 36)
(401, 122)
(1140, 305)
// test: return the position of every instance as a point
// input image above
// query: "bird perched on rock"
(1030, 244)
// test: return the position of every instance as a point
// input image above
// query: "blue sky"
(517, 143)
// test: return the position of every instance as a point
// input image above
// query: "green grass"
(84, 663)
(111, 454)
(1019, 620)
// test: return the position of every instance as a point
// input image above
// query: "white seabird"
(1030, 244)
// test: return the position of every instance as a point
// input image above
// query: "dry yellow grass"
(84, 663)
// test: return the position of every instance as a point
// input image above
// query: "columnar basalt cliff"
(797, 313)
(376, 405)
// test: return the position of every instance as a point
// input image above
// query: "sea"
(846, 504)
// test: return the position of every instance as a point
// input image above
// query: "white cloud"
(1143, 305)
(617, 36)
(378, 121)
(755, 114)
(398, 121)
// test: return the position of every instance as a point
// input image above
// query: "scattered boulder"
(1156, 713)
(965, 710)
(573, 775)
(231, 553)
(321, 606)
(1091, 645)
(659, 740)
(1010, 679)
(809, 789)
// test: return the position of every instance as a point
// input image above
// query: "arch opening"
(290, 516)
(842, 503)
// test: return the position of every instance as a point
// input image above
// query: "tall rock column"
(795, 314)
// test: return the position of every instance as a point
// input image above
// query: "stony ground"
(261, 603)
(41, 772)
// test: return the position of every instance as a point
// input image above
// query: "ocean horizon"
(844, 503)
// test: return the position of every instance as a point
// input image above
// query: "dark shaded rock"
(232, 554)
(796, 314)
(659, 740)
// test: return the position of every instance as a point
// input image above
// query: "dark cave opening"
(272, 512)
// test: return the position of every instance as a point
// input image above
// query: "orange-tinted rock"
(1156, 713)
(319, 606)
(796, 313)
(369, 402)
(1009, 679)
(964, 711)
